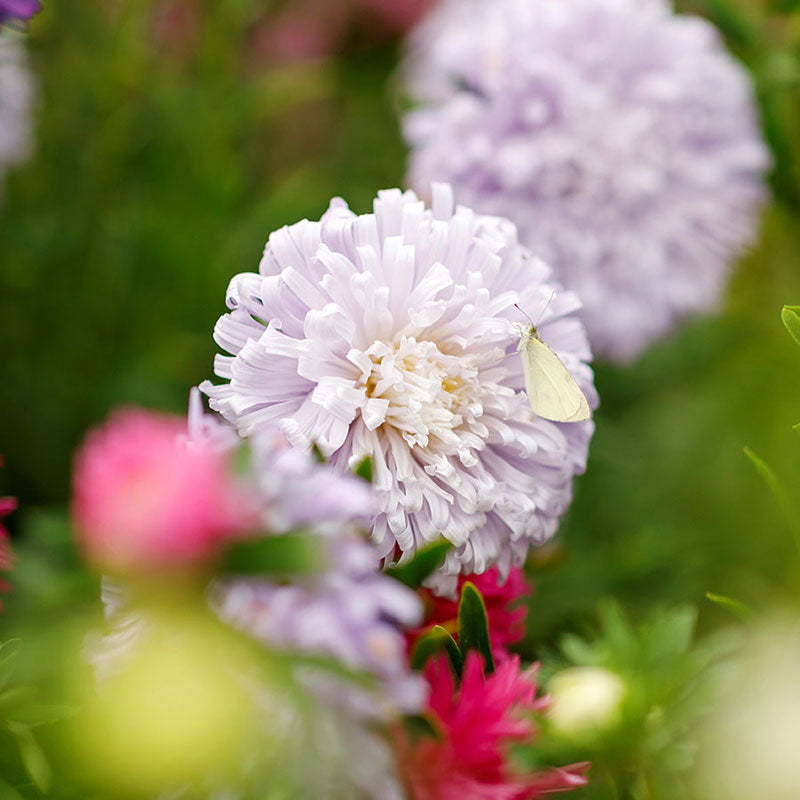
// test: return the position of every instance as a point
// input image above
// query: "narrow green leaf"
(426, 560)
(364, 469)
(35, 715)
(420, 726)
(9, 651)
(433, 643)
(290, 554)
(780, 494)
(16, 696)
(736, 607)
(473, 625)
(33, 758)
(791, 319)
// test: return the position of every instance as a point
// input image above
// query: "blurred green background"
(172, 137)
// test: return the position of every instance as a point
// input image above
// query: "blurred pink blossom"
(305, 29)
(144, 500)
(7, 558)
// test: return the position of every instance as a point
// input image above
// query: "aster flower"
(16, 100)
(621, 139)
(505, 614)
(477, 723)
(142, 501)
(18, 10)
(393, 335)
(348, 611)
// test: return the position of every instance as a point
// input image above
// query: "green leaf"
(421, 726)
(364, 469)
(9, 651)
(426, 560)
(431, 644)
(473, 625)
(15, 696)
(43, 714)
(669, 634)
(8, 792)
(780, 494)
(791, 319)
(290, 554)
(578, 651)
(33, 757)
(736, 607)
(796, 428)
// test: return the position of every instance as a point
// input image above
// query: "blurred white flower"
(751, 743)
(586, 701)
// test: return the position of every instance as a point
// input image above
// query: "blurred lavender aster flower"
(21, 10)
(392, 335)
(349, 610)
(621, 139)
(16, 101)
(292, 490)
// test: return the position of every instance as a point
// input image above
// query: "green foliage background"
(161, 167)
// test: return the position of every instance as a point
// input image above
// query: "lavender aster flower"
(16, 100)
(349, 610)
(620, 138)
(393, 335)
(21, 10)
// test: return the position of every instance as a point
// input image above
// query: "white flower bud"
(586, 701)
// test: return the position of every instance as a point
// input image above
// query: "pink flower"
(476, 724)
(7, 558)
(506, 616)
(144, 500)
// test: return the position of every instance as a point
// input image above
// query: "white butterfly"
(553, 393)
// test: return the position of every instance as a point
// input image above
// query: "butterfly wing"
(553, 393)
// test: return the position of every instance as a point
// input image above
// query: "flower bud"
(586, 701)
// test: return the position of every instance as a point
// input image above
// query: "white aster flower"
(393, 335)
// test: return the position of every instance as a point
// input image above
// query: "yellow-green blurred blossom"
(586, 701)
(750, 746)
(175, 710)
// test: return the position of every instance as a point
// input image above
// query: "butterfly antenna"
(549, 299)
(516, 305)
